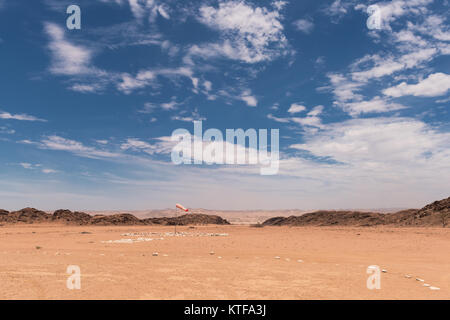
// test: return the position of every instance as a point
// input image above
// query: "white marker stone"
(435, 288)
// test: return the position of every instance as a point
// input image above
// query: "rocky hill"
(436, 214)
(26, 215)
(187, 219)
(116, 219)
(70, 217)
(329, 218)
(31, 215)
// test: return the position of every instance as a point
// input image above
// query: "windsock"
(179, 206)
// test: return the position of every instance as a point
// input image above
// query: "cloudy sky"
(86, 115)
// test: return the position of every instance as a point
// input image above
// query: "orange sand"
(334, 263)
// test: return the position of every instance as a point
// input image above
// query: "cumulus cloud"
(250, 34)
(249, 99)
(436, 84)
(296, 108)
(377, 142)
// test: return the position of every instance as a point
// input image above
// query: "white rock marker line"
(421, 280)
(435, 288)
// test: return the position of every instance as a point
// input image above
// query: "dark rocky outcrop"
(116, 219)
(30, 215)
(78, 218)
(435, 214)
(329, 218)
(187, 219)
(26, 215)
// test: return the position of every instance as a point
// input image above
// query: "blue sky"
(86, 115)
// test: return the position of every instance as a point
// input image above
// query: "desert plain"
(223, 262)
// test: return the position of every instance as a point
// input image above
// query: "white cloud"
(26, 165)
(208, 85)
(394, 9)
(277, 119)
(194, 116)
(67, 58)
(145, 8)
(251, 34)
(434, 26)
(62, 144)
(85, 88)
(308, 121)
(375, 105)
(369, 68)
(304, 25)
(377, 142)
(385, 66)
(436, 84)
(163, 145)
(146, 78)
(150, 107)
(21, 117)
(312, 118)
(136, 144)
(338, 8)
(48, 171)
(34, 166)
(6, 130)
(315, 111)
(249, 99)
(296, 108)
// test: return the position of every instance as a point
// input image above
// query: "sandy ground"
(34, 259)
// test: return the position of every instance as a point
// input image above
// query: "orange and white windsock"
(179, 206)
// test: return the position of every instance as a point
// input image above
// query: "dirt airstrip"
(222, 262)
